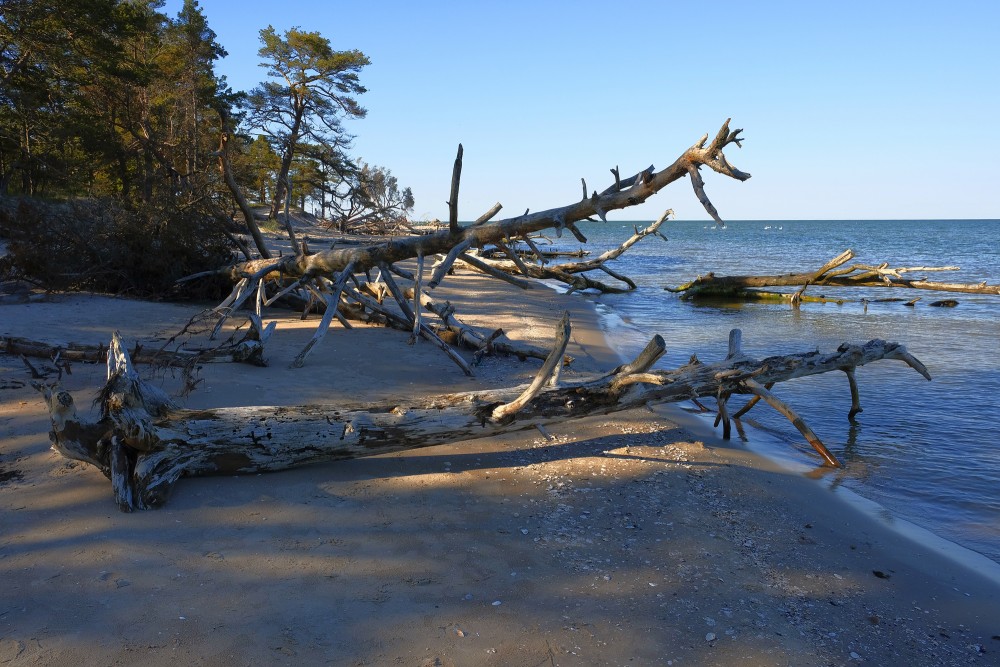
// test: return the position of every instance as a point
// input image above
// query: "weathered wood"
(456, 176)
(571, 273)
(249, 349)
(144, 444)
(304, 268)
(332, 306)
(470, 338)
(796, 420)
(857, 275)
(548, 369)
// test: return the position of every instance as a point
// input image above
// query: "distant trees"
(372, 200)
(260, 165)
(55, 57)
(105, 97)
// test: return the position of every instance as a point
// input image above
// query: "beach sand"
(629, 539)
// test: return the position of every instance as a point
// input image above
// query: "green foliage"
(258, 167)
(116, 108)
(313, 89)
(107, 97)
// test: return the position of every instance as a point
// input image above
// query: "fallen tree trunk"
(830, 275)
(303, 272)
(249, 349)
(144, 444)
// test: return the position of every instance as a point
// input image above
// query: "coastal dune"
(633, 538)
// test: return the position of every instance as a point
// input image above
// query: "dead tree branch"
(143, 444)
(302, 271)
(571, 273)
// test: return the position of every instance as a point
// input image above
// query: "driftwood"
(829, 275)
(144, 444)
(573, 273)
(327, 276)
(248, 349)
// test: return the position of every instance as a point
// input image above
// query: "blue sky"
(850, 110)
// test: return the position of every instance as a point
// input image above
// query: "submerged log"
(144, 444)
(830, 275)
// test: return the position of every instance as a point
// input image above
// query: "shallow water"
(927, 451)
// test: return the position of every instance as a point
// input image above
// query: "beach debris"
(572, 274)
(747, 287)
(144, 444)
(339, 282)
(243, 346)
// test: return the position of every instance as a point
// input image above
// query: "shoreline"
(797, 462)
(630, 537)
(777, 453)
(922, 537)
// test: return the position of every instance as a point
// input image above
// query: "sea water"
(928, 452)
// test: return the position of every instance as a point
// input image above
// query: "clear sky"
(855, 110)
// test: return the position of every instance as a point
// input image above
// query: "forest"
(119, 139)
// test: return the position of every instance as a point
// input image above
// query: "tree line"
(114, 99)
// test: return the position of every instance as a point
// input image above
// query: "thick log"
(857, 275)
(144, 444)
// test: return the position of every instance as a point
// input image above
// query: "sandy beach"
(635, 538)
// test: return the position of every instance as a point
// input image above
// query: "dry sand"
(629, 539)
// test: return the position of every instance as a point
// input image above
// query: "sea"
(927, 453)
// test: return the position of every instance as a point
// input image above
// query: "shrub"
(106, 246)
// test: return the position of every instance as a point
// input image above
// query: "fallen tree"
(335, 278)
(144, 444)
(829, 275)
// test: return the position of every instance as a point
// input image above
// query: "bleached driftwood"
(247, 349)
(322, 270)
(144, 444)
(573, 274)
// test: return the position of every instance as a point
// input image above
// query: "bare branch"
(552, 362)
(332, 305)
(699, 190)
(456, 177)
